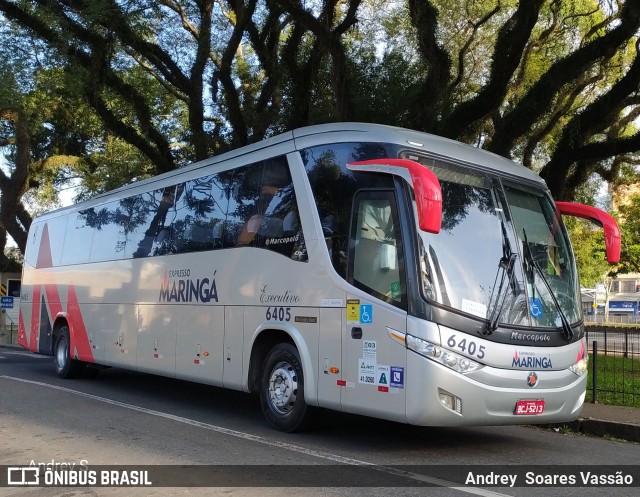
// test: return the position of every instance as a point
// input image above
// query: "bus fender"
(80, 344)
(310, 387)
(62, 316)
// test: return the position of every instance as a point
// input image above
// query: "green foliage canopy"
(110, 91)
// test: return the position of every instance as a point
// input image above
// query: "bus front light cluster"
(457, 362)
(580, 367)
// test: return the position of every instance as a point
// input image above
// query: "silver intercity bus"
(355, 267)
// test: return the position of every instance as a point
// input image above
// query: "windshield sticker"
(395, 290)
(475, 308)
(535, 307)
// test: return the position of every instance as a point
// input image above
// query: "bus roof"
(432, 145)
(427, 143)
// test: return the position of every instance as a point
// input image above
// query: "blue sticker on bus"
(535, 307)
(397, 377)
(366, 313)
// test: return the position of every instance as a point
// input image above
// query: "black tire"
(65, 366)
(282, 389)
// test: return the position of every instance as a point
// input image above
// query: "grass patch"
(617, 380)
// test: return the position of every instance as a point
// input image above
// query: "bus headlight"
(580, 367)
(457, 362)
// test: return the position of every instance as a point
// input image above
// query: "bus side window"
(269, 210)
(108, 222)
(333, 187)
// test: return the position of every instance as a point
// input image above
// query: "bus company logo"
(529, 360)
(532, 379)
(178, 286)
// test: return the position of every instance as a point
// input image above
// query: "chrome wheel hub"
(283, 387)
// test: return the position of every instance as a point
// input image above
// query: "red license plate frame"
(529, 407)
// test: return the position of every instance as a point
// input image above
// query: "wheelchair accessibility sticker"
(366, 313)
(535, 307)
(358, 313)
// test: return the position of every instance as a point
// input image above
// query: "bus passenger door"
(374, 361)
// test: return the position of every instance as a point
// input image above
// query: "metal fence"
(614, 366)
(613, 319)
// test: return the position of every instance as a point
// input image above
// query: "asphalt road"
(123, 417)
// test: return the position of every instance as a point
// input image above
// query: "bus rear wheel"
(65, 366)
(282, 389)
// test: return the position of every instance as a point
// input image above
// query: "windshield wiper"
(505, 265)
(531, 267)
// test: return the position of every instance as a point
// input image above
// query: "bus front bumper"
(491, 401)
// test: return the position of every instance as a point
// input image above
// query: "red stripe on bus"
(22, 334)
(79, 337)
(53, 300)
(34, 329)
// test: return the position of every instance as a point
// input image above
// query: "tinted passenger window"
(334, 186)
(108, 239)
(264, 209)
(147, 230)
(254, 205)
(198, 216)
(77, 241)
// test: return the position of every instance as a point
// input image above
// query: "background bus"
(355, 267)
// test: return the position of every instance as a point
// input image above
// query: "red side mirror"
(600, 217)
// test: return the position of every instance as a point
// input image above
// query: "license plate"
(529, 407)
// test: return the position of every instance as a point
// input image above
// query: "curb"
(11, 346)
(602, 428)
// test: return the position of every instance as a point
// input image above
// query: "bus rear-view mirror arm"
(601, 218)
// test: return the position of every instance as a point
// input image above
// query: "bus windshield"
(502, 253)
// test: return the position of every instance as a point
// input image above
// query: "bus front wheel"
(282, 388)
(65, 366)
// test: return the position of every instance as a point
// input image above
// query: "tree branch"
(424, 18)
(537, 100)
(475, 26)
(510, 44)
(599, 115)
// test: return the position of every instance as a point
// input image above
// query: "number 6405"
(278, 314)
